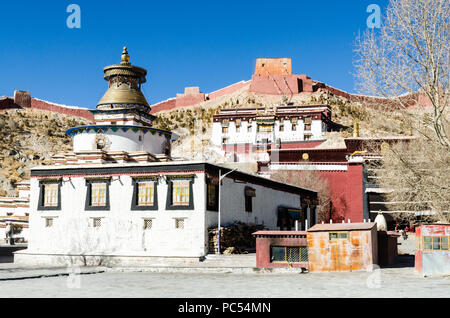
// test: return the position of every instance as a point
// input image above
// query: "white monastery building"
(15, 210)
(120, 198)
(248, 133)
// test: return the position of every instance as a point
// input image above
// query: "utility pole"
(220, 199)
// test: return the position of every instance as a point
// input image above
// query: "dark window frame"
(248, 199)
(87, 204)
(41, 206)
(134, 200)
(169, 205)
(215, 206)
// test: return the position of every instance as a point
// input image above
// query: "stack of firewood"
(236, 238)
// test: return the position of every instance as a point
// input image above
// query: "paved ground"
(400, 281)
(407, 246)
(218, 277)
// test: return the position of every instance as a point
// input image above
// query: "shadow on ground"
(402, 261)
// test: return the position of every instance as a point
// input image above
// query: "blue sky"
(210, 44)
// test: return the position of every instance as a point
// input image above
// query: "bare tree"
(406, 64)
(310, 180)
(418, 172)
(408, 59)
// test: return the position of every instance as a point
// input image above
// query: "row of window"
(435, 243)
(306, 127)
(97, 222)
(180, 195)
(288, 254)
(144, 194)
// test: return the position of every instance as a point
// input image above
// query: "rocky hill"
(28, 138)
(193, 123)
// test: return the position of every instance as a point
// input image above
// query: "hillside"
(28, 138)
(193, 123)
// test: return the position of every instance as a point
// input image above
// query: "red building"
(281, 249)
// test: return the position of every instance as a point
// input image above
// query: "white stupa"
(122, 117)
(381, 222)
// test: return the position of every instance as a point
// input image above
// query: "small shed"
(432, 256)
(281, 249)
(342, 247)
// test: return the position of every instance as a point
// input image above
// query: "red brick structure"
(66, 110)
(193, 96)
(277, 66)
(281, 249)
(274, 77)
(22, 99)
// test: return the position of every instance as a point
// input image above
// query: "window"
(96, 222)
(288, 254)
(249, 127)
(294, 127)
(307, 123)
(145, 196)
(281, 127)
(238, 125)
(224, 140)
(148, 224)
(338, 236)
(179, 223)
(179, 194)
(265, 128)
(213, 195)
(224, 130)
(249, 194)
(435, 243)
(146, 193)
(307, 137)
(97, 194)
(48, 222)
(50, 195)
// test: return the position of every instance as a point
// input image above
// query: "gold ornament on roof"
(125, 56)
(124, 85)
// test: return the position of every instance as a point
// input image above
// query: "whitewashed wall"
(264, 205)
(122, 141)
(287, 135)
(122, 230)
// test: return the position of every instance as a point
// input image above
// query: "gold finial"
(125, 56)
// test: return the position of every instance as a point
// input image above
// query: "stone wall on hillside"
(23, 99)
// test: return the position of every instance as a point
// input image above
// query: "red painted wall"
(189, 100)
(296, 238)
(227, 90)
(43, 105)
(346, 189)
(296, 145)
(8, 103)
